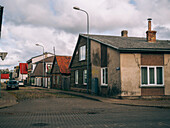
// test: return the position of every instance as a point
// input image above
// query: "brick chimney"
(124, 33)
(151, 35)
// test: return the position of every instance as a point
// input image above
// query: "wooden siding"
(152, 91)
(80, 66)
(103, 55)
(75, 61)
(152, 59)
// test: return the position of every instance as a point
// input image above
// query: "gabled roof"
(63, 63)
(23, 68)
(4, 76)
(130, 43)
(30, 60)
(39, 66)
(127, 44)
(48, 59)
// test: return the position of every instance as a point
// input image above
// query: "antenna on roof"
(54, 50)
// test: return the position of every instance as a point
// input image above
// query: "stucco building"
(122, 65)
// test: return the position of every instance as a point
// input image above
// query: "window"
(82, 53)
(152, 75)
(104, 77)
(53, 79)
(58, 79)
(85, 77)
(33, 67)
(76, 77)
(48, 67)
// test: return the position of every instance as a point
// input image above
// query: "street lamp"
(43, 61)
(88, 44)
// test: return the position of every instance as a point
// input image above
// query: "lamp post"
(88, 46)
(43, 61)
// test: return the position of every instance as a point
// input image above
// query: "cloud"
(54, 23)
(19, 42)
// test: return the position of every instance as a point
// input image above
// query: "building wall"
(112, 63)
(80, 66)
(22, 76)
(96, 62)
(56, 81)
(113, 71)
(130, 74)
(167, 73)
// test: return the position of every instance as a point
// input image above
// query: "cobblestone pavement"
(81, 113)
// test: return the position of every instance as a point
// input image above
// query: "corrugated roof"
(4, 76)
(23, 68)
(63, 63)
(133, 43)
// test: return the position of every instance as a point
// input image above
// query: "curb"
(79, 95)
(105, 100)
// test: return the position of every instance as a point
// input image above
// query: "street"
(76, 112)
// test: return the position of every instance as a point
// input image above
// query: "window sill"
(150, 86)
(81, 60)
(104, 85)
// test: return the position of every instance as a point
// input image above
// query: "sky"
(54, 23)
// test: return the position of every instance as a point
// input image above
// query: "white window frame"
(85, 83)
(103, 83)
(33, 68)
(82, 53)
(155, 77)
(46, 64)
(76, 76)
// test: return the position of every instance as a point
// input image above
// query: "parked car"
(6, 81)
(12, 84)
(20, 83)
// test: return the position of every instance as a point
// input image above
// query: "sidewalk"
(158, 103)
(7, 100)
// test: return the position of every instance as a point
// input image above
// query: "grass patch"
(28, 93)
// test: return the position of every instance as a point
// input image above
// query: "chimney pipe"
(149, 24)
(150, 35)
(124, 33)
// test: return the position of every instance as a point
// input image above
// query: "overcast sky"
(54, 23)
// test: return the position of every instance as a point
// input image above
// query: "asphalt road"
(81, 113)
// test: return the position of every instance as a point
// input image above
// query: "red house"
(4, 77)
(23, 71)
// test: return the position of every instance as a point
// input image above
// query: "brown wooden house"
(38, 75)
(122, 65)
(61, 72)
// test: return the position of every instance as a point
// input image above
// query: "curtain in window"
(85, 76)
(106, 76)
(82, 54)
(144, 75)
(76, 77)
(152, 75)
(103, 76)
(159, 75)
